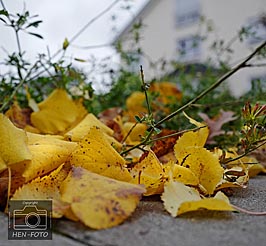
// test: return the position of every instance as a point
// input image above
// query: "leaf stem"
(129, 132)
(15, 29)
(244, 154)
(144, 86)
(248, 212)
(175, 134)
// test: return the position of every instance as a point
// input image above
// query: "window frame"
(189, 16)
(194, 50)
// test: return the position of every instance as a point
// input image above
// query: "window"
(189, 48)
(187, 12)
(256, 29)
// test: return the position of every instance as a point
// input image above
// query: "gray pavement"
(151, 225)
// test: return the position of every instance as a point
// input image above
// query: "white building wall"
(228, 17)
(160, 34)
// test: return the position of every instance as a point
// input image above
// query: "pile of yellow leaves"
(68, 155)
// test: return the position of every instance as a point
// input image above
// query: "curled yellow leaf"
(96, 154)
(175, 193)
(205, 165)
(255, 169)
(191, 139)
(179, 199)
(219, 202)
(180, 174)
(150, 173)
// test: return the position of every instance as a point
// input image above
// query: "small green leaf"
(138, 119)
(36, 35)
(157, 130)
(80, 60)
(34, 24)
(4, 12)
(65, 44)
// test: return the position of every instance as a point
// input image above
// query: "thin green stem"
(18, 43)
(144, 142)
(129, 132)
(147, 140)
(212, 105)
(175, 134)
(14, 28)
(144, 86)
(244, 154)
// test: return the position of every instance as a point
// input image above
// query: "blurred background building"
(198, 31)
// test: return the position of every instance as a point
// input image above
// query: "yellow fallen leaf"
(96, 154)
(31, 129)
(57, 113)
(45, 188)
(68, 213)
(219, 202)
(191, 139)
(47, 155)
(17, 115)
(99, 202)
(168, 92)
(3, 165)
(181, 174)
(13, 144)
(175, 193)
(179, 199)
(81, 130)
(35, 138)
(235, 176)
(136, 102)
(255, 169)
(247, 162)
(205, 165)
(150, 173)
(111, 140)
(133, 132)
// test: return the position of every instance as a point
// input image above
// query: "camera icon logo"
(30, 218)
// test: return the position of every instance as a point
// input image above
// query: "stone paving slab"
(150, 225)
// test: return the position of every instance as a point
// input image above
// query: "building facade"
(186, 30)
